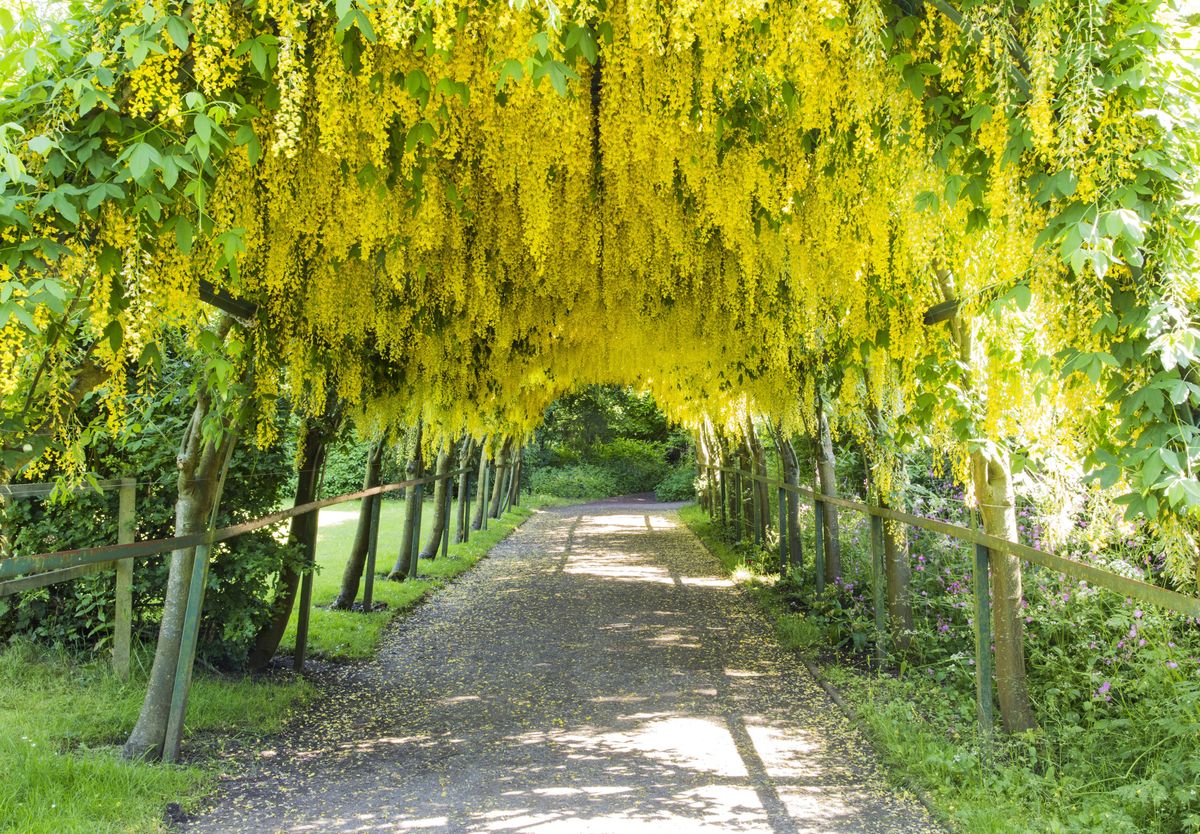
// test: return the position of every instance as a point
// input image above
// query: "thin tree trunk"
(480, 496)
(498, 484)
(899, 583)
(514, 483)
(200, 464)
(302, 534)
(352, 575)
(758, 457)
(993, 490)
(991, 475)
(468, 451)
(791, 476)
(441, 517)
(827, 479)
(404, 559)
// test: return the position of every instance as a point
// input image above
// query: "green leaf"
(183, 234)
(177, 29)
(115, 335)
(42, 144)
(141, 157)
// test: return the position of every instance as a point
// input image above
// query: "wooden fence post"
(983, 636)
(123, 617)
(784, 534)
(372, 550)
(724, 503)
(819, 543)
(306, 589)
(878, 575)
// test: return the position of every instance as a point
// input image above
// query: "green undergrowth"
(62, 721)
(1123, 759)
(353, 635)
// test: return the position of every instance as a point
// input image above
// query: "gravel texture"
(597, 673)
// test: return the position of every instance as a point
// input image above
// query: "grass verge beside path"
(919, 732)
(353, 635)
(1125, 761)
(62, 720)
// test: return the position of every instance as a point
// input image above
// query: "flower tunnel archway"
(966, 227)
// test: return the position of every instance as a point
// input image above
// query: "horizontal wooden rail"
(1134, 588)
(59, 562)
(42, 490)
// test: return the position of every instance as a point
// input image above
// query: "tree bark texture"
(992, 478)
(790, 465)
(405, 559)
(827, 482)
(352, 575)
(480, 495)
(199, 463)
(302, 534)
(441, 489)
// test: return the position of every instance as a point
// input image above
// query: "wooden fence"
(24, 573)
(723, 497)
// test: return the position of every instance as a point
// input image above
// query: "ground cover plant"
(961, 232)
(1116, 685)
(63, 713)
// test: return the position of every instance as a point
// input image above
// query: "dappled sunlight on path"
(595, 674)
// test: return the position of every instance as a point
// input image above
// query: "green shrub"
(582, 481)
(635, 465)
(679, 485)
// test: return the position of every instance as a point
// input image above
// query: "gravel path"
(596, 673)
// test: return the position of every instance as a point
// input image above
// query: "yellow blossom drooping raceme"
(461, 211)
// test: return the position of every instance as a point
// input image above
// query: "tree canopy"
(460, 211)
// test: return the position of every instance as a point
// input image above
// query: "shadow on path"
(597, 673)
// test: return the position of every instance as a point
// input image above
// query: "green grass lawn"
(350, 635)
(63, 719)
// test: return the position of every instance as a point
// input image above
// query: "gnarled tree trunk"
(200, 463)
(791, 476)
(302, 533)
(441, 514)
(827, 483)
(352, 574)
(406, 558)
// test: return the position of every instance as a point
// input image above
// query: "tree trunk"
(352, 575)
(200, 463)
(514, 483)
(480, 495)
(415, 468)
(899, 583)
(468, 448)
(991, 475)
(498, 484)
(302, 533)
(993, 490)
(791, 476)
(758, 457)
(827, 480)
(441, 489)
